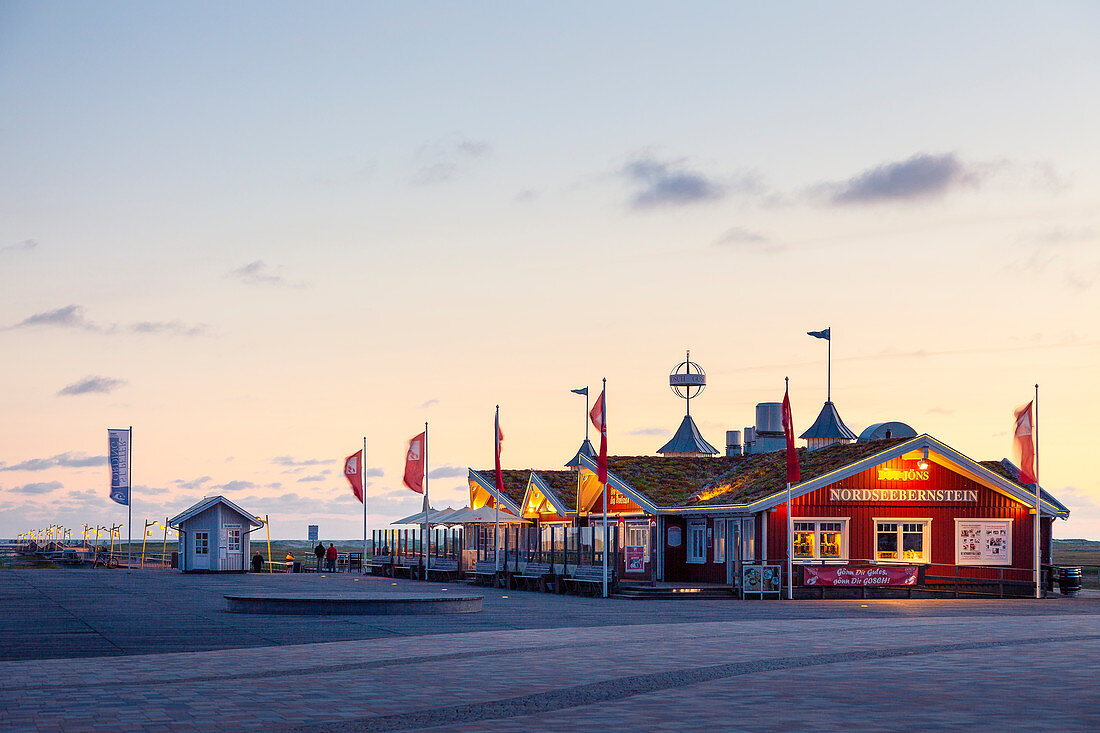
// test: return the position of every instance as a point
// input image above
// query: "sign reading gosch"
(861, 576)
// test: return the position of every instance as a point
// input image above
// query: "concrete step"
(680, 592)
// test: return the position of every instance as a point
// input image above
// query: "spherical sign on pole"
(687, 380)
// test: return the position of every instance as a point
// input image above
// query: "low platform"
(351, 604)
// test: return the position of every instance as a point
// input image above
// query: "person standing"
(257, 562)
(330, 555)
(319, 551)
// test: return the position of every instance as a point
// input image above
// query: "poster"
(674, 538)
(983, 541)
(635, 559)
(761, 579)
(864, 575)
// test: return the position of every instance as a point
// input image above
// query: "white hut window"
(202, 543)
(234, 539)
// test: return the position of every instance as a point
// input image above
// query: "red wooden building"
(910, 513)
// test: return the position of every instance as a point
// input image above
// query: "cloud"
(429, 403)
(668, 183)
(257, 272)
(172, 328)
(375, 472)
(747, 240)
(448, 472)
(63, 460)
(922, 176)
(25, 246)
(649, 431)
(194, 484)
(90, 385)
(234, 486)
(70, 316)
(291, 461)
(38, 488)
(445, 160)
(314, 477)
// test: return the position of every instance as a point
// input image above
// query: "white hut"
(214, 536)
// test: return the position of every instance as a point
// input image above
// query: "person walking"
(319, 551)
(330, 555)
(257, 562)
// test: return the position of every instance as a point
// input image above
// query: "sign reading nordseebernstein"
(118, 456)
(935, 495)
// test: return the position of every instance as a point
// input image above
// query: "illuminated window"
(748, 539)
(719, 540)
(903, 540)
(821, 539)
(697, 542)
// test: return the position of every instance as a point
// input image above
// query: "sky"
(259, 232)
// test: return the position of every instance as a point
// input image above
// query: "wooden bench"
(382, 564)
(588, 580)
(406, 567)
(442, 568)
(485, 572)
(532, 576)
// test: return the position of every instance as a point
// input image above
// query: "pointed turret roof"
(587, 449)
(687, 440)
(828, 426)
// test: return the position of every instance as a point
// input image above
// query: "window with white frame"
(821, 539)
(233, 536)
(637, 535)
(719, 540)
(697, 542)
(202, 543)
(903, 540)
(748, 539)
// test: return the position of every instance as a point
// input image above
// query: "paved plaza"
(157, 650)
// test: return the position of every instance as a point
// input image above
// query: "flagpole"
(362, 468)
(496, 502)
(790, 546)
(606, 534)
(427, 504)
(129, 501)
(1038, 523)
(829, 367)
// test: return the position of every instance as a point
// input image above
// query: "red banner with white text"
(866, 575)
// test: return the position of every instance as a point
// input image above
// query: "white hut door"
(235, 559)
(202, 551)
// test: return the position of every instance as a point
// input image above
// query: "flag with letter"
(499, 438)
(353, 472)
(793, 474)
(598, 415)
(821, 334)
(118, 456)
(1024, 445)
(414, 465)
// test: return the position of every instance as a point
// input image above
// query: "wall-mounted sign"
(931, 495)
(983, 541)
(870, 575)
(902, 474)
(674, 536)
(635, 558)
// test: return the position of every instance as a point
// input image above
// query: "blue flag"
(118, 456)
(582, 390)
(820, 334)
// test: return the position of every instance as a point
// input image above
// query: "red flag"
(793, 474)
(499, 439)
(598, 415)
(1024, 445)
(353, 472)
(414, 465)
